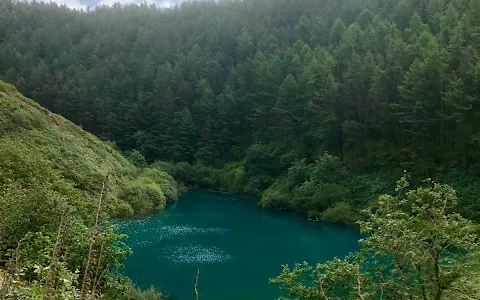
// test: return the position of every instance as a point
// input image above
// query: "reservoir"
(236, 245)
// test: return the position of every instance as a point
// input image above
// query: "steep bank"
(39, 146)
(51, 168)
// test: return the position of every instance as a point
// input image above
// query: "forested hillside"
(51, 178)
(262, 88)
(311, 105)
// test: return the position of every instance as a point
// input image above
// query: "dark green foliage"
(361, 80)
(182, 172)
(137, 159)
(259, 168)
(277, 197)
(341, 212)
(467, 187)
(181, 133)
(310, 189)
(328, 169)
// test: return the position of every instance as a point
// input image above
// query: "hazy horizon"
(84, 4)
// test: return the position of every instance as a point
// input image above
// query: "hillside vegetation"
(51, 173)
(316, 106)
(254, 92)
(415, 247)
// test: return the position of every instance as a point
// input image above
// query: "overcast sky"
(92, 3)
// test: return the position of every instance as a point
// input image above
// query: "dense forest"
(254, 93)
(312, 105)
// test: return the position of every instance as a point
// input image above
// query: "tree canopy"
(204, 81)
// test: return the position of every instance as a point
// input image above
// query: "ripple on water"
(174, 230)
(190, 254)
(156, 234)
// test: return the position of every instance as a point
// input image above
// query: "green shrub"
(286, 160)
(121, 288)
(165, 181)
(328, 169)
(28, 209)
(231, 180)
(238, 180)
(111, 144)
(149, 294)
(123, 210)
(365, 188)
(143, 195)
(168, 167)
(467, 185)
(303, 196)
(137, 159)
(206, 177)
(257, 184)
(35, 250)
(277, 197)
(328, 194)
(297, 174)
(340, 212)
(21, 117)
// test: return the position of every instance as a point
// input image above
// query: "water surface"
(236, 245)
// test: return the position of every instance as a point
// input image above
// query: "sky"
(83, 4)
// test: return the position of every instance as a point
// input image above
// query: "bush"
(467, 186)
(30, 209)
(35, 250)
(144, 195)
(111, 144)
(232, 180)
(168, 167)
(138, 159)
(121, 288)
(277, 197)
(21, 117)
(297, 174)
(256, 185)
(206, 177)
(328, 169)
(165, 181)
(123, 209)
(149, 294)
(341, 212)
(303, 196)
(27, 120)
(328, 194)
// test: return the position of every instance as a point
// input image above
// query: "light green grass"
(52, 150)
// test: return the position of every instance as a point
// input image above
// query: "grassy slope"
(45, 146)
(49, 165)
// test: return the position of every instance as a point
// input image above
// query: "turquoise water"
(236, 245)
